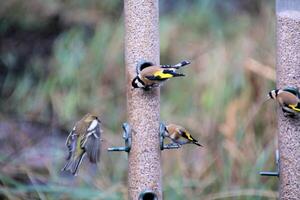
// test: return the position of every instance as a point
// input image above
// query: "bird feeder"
(143, 107)
(288, 74)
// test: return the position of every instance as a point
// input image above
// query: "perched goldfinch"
(84, 139)
(149, 76)
(288, 98)
(179, 135)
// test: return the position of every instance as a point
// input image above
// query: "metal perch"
(126, 137)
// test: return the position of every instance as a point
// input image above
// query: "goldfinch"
(149, 75)
(179, 135)
(288, 98)
(84, 139)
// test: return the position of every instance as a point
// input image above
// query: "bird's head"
(273, 94)
(142, 64)
(89, 118)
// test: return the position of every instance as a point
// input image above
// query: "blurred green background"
(62, 59)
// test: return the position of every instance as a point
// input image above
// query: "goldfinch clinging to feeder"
(84, 139)
(149, 75)
(179, 135)
(288, 98)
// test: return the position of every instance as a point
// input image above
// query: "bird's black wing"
(155, 78)
(163, 75)
(92, 143)
(71, 143)
(172, 72)
(187, 135)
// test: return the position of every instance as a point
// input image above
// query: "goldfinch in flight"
(288, 98)
(149, 75)
(179, 135)
(84, 139)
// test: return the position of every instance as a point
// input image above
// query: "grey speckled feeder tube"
(288, 74)
(143, 107)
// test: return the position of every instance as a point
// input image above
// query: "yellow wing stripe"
(294, 107)
(162, 75)
(189, 136)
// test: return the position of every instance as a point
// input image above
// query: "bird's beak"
(266, 99)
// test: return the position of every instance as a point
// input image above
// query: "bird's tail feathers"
(67, 165)
(197, 143)
(181, 64)
(73, 164)
(69, 155)
(173, 73)
(178, 65)
(177, 75)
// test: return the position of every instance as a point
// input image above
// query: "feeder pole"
(143, 107)
(288, 74)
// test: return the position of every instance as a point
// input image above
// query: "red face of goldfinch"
(84, 139)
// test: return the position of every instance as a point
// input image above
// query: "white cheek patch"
(140, 85)
(93, 125)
